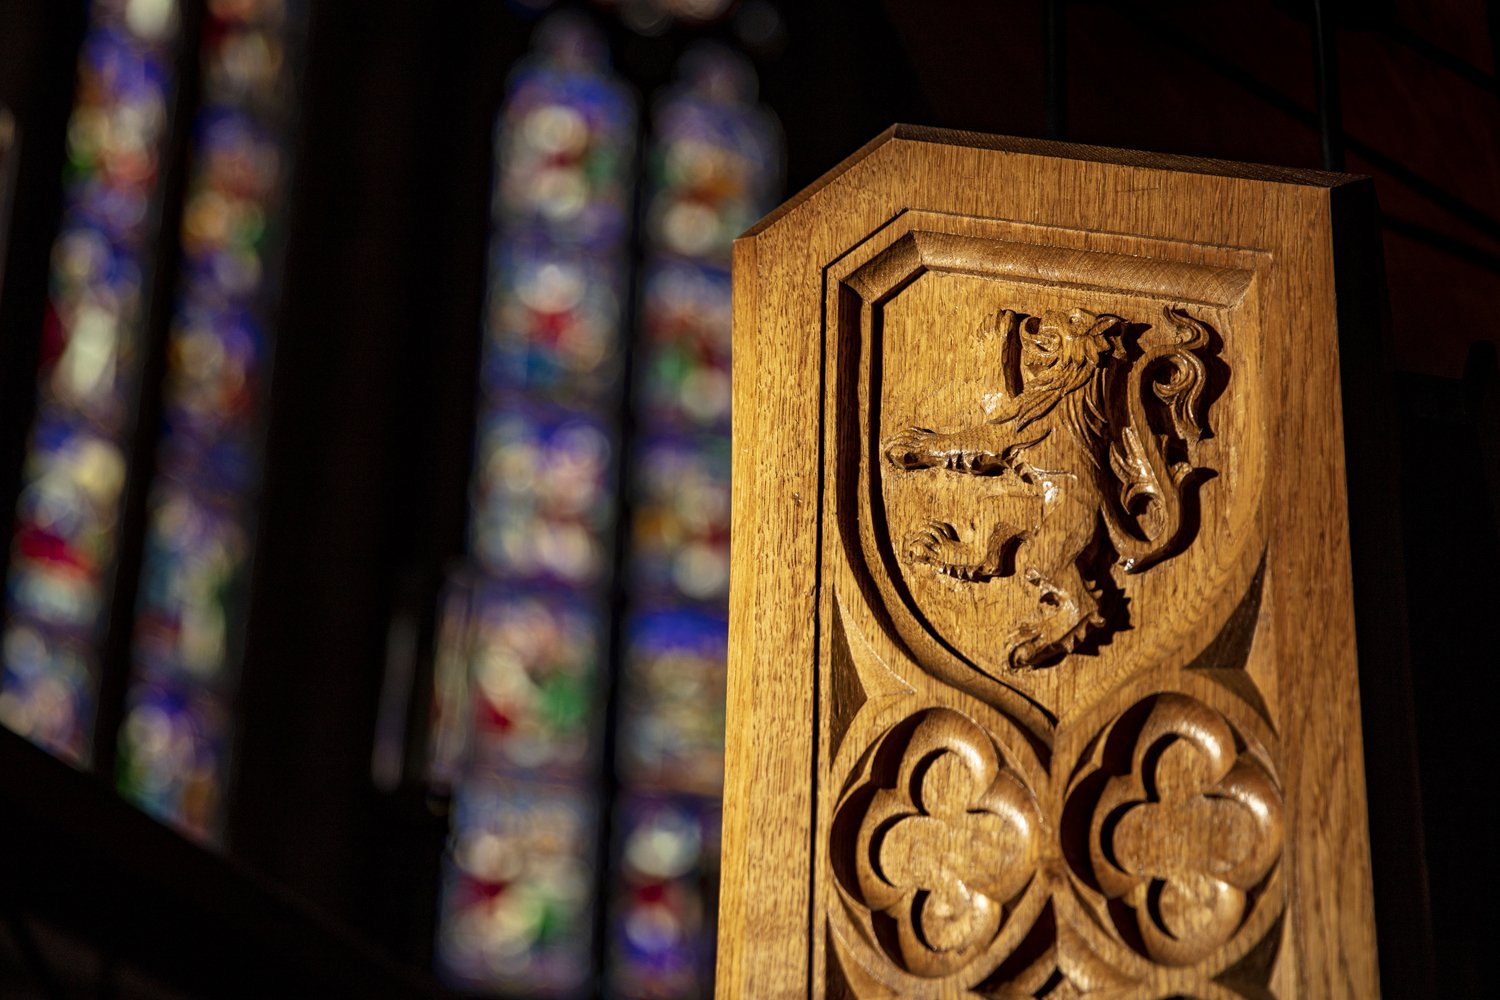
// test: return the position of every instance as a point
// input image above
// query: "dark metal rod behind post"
(1330, 100)
(1057, 69)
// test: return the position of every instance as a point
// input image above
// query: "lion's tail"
(1146, 521)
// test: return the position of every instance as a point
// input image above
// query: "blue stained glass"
(673, 699)
(680, 534)
(200, 506)
(67, 517)
(176, 732)
(715, 158)
(564, 147)
(715, 167)
(521, 636)
(48, 684)
(543, 495)
(193, 553)
(686, 323)
(519, 682)
(662, 919)
(565, 140)
(554, 319)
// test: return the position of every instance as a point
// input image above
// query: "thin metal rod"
(1057, 69)
(1330, 100)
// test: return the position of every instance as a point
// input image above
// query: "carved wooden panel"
(1042, 675)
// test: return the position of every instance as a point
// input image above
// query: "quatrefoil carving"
(947, 839)
(956, 861)
(1182, 839)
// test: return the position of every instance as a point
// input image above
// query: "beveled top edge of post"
(1268, 173)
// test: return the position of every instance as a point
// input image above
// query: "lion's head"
(1059, 353)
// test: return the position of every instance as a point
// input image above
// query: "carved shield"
(1026, 457)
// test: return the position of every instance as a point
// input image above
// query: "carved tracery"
(1186, 834)
(1162, 854)
(1048, 494)
(938, 841)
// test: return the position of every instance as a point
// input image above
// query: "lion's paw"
(912, 449)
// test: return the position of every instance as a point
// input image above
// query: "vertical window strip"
(175, 741)
(715, 163)
(68, 511)
(525, 627)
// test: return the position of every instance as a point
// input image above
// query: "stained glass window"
(518, 888)
(527, 625)
(68, 511)
(651, 17)
(174, 743)
(714, 169)
(673, 700)
(554, 609)
(664, 908)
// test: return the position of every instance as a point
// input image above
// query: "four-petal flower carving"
(1187, 835)
(949, 837)
(950, 867)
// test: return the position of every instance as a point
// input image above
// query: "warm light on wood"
(1042, 669)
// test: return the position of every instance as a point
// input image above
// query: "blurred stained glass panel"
(200, 507)
(522, 665)
(565, 139)
(67, 516)
(536, 660)
(680, 534)
(177, 733)
(564, 145)
(673, 698)
(715, 157)
(517, 901)
(543, 495)
(663, 915)
(685, 326)
(554, 323)
(714, 163)
(522, 670)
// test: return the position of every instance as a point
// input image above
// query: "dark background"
(372, 402)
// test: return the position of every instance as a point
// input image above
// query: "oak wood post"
(1043, 669)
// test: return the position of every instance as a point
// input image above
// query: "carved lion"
(1103, 432)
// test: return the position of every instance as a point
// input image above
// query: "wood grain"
(1042, 668)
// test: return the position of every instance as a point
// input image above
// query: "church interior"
(365, 450)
